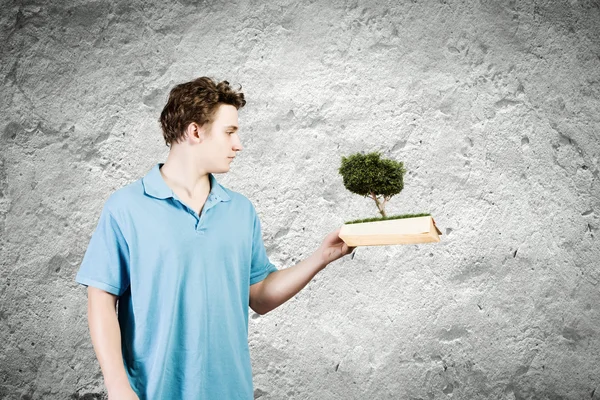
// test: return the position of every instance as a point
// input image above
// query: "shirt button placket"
(199, 229)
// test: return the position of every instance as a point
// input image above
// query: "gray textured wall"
(493, 106)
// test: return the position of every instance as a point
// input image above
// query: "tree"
(371, 176)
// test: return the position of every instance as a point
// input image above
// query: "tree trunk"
(380, 206)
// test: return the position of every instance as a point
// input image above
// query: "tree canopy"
(371, 176)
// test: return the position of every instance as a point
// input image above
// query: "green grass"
(358, 221)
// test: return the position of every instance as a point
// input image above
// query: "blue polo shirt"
(183, 282)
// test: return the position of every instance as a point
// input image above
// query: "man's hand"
(333, 247)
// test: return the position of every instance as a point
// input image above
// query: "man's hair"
(195, 101)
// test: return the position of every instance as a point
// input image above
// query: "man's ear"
(195, 132)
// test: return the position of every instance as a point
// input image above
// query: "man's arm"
(106, 339)
(280, 286)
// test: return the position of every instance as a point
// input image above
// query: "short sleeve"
(105, 264)
(261, 266)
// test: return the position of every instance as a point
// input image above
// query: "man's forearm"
(106, 340)
(282, 285)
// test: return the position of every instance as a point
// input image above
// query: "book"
(390, 232)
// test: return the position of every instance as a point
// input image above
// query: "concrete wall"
(493, 106)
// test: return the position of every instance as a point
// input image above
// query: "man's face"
(222, 141)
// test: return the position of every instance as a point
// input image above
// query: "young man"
(185, 258)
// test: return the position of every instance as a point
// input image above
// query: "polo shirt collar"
(155, 186)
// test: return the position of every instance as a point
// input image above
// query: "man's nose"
(237, 145)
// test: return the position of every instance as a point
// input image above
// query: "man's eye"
(230, 132)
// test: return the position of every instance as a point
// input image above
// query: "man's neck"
(182, 176)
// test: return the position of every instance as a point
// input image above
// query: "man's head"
(196, 101)
(200, 122)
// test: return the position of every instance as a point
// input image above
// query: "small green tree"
(370, 176)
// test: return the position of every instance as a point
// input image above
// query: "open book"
(394, 231)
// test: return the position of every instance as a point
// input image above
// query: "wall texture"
(493, 106)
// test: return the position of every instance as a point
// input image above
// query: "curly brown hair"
(195, 101)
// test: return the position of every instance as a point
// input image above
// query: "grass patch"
(358, 221)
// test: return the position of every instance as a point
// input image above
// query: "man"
(185, 258)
